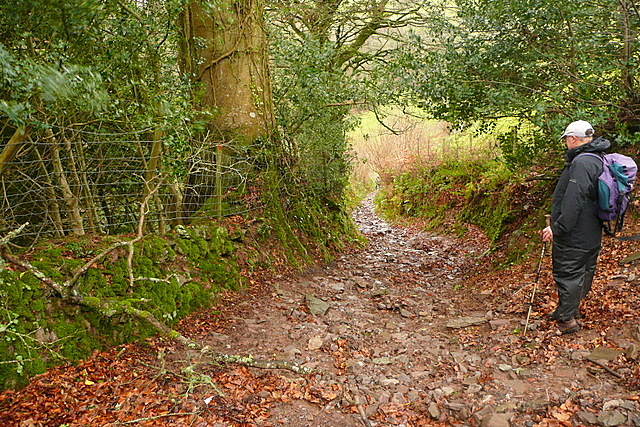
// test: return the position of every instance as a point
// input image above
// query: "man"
(575, 229)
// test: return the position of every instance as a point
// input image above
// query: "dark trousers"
(573, 271)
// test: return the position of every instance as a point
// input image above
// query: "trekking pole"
(535, 284)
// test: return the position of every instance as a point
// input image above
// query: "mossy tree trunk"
(224, 52)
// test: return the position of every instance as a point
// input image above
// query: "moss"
(157, 249)
(203, 252)
(80, 331)
(93, 281)
(490, 212)
(76, 341)
(191, 250)
(191, 296)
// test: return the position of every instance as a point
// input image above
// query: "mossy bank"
(167, 276)
(508, 207)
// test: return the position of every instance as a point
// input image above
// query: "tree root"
(259, 363)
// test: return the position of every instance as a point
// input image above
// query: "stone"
(338, 287)
(355, 365)
(391, 325)
(611, 418)
(474, 389)
(384, 398)
(463, 322)
(413, 396)
(611, 404)
(471, 380)
(520, 387)
(398, 398)
(405, 313)
(316, 305)
(379, 292)
(447, 391)
(402, 389)
(382, 360)
(587, 417)
(434, 411)
(371, 410)
(495, 420)
(400, 336)
(604, 353)
(404, 378)
(458, 356)
(315, 343)
(291, 350)
(631, 352)
(420, 375)
(389, 381)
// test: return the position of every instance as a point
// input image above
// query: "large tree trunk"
(225, 52)
(225, 49)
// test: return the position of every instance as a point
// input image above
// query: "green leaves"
(543, 62)
(311, 102)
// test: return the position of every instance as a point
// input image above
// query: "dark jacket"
(574, 217)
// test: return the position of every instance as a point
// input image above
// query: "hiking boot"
(554, 316)
(569, 327)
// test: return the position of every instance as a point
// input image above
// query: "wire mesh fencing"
(72, 183)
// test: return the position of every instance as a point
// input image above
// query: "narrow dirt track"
(409, 338)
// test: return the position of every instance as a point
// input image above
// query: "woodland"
(306, 212)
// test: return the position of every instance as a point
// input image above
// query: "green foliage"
(310, 97)
(545, 63)
(76, 61)
(303, 222)
(467, 192)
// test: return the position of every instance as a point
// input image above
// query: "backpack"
(615, 184)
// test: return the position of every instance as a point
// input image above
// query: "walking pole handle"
(547, 220)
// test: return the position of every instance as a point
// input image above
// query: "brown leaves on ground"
(128, 385)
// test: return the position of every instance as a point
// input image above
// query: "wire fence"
(73, 183)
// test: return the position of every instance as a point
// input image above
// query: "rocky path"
(396, 330)
(367, 322)
(409, 331)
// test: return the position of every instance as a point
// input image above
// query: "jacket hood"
(597, 145)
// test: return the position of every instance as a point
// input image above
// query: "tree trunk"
(631, 104)
(12, 147)
(224, 51)
(53, 208)
(151, 175)
(69, 197)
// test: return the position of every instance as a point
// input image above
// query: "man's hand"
(547, 234)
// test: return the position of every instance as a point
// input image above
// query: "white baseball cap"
(580, 129)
